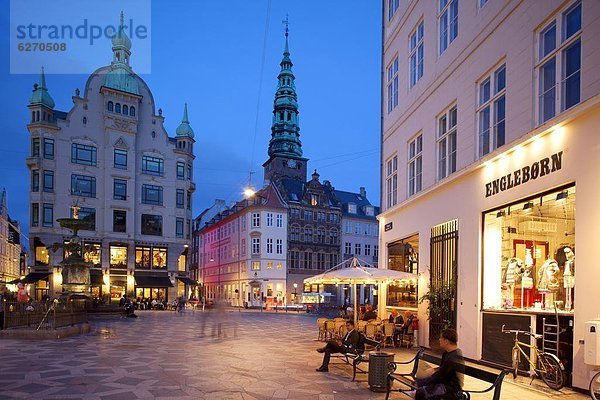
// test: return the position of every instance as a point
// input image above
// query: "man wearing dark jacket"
(351, 343)
(446, 382)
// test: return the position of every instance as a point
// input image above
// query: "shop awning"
(32, 277)
(153, 281)
(187, 281)
(96, 277)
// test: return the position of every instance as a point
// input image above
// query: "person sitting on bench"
(447, 380)
(353, 342)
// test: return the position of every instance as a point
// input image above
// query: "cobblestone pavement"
(163, 355)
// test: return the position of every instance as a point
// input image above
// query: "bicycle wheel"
(595, 387)
(515, 362)
(552, 371)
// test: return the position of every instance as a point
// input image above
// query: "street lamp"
(295, 293)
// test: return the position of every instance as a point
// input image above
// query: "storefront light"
(528, 207)
(561, 197)
(501, 214)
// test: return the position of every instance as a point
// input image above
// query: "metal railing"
(44, 315)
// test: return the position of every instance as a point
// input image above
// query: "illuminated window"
(42, 255)
(118, 256)
(255, 265)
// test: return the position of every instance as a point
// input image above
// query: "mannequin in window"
(565, 256)
(510, 274)
(548, 282)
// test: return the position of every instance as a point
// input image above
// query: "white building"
(490, 157)
(11, 254)
(242, 252)
(111, 155)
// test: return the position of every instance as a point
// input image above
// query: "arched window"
(37, 116)
(118, 108)
(289, 116)
(84, 120)
(33, 116)
(132, 111)
(125, 110)
(110, 106)
(281, 115)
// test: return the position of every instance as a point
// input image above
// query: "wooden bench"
(354, 359)
(408, 380)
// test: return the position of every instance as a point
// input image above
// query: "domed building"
(111, 156)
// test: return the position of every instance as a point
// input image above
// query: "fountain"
(75, 270)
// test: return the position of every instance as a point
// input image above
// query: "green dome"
(184, 129)
(120, 78)
(40, 95)
(121, 39)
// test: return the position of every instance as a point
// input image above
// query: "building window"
(82, 185)
(269, 219)
(314, 200)
(35, 147)
(529, 254)
(92, 254)
(392, 7)
(151, 225)
(88, 215)
(295, 232)
(482, 3)
(447, 22)
(118, 108)
(403, 256)
(42, 255)
(188, 228)
(269, 246)
(179, 193)
(255, 265)
(255, 245)
(120, 189)
(308, 215)
(180, 170)
(110, 106)
(35, 180)
(256, 220)
(560, 61)
(118, 256)
(279, 246)
(48, 181)
(152, 195)
(491, 111)
(119, 221)
(294, 213)
(376, 251)
(347, 248)
(333, 236)
(307, 260)
(415, 56)
(83, 154)
(49, 149)
(357, 228)
(132, 111)
(279, 220)
(48, 215)
(391, 181)
(320, 235)
(188, 169)
(179, 227)
(446, 143)
(35, 214)
(352, 208)
(147, 257)
(120, 159)
(357, 249)
(189, 200)
(308, 234)
(125, 109)
(392, 85)
(153, 165)
(415, 165)
(367, 249)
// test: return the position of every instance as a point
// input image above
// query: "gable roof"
(361, 203)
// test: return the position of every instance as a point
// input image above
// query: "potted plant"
(441, 298)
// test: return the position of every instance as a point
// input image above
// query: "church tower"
(285, 148)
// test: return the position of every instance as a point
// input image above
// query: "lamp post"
(295, 293)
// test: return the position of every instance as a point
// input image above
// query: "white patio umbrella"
(357, 272)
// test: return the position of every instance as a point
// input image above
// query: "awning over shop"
(153, 281)
(32, 277)
(96, 277)
(187, 281)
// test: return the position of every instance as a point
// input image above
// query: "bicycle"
(595, 387)
(545, 365)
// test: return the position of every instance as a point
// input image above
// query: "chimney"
(363, 192)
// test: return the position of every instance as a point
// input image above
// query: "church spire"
(285, 130)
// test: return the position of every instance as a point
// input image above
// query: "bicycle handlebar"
(517, 332)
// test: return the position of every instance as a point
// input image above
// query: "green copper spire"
(40, 93)
(184, 129)
(285, 130)
(120, 77)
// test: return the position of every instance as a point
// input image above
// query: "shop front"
(509, 241)
(152, 287)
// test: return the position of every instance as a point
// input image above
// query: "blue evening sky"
(208, 53)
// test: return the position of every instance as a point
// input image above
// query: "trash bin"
(378, 370)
